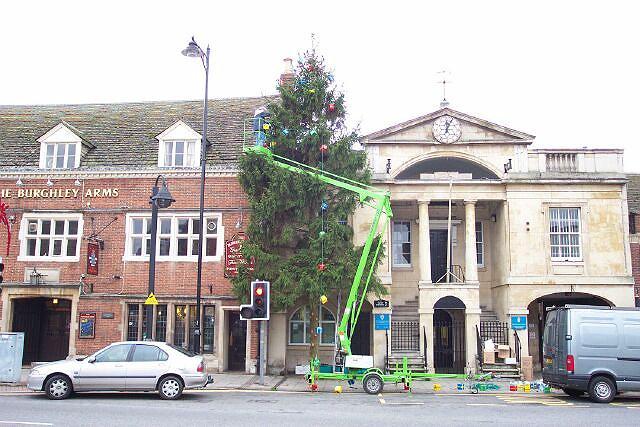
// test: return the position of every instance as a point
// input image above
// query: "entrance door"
(449, 343)
(438, 240)
(46, 328)
(237, 342)
(361, 339)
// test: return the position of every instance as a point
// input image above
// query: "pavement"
(250, 407)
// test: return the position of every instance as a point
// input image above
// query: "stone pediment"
(473, 131)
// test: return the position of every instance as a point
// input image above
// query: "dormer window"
(61, 147)
(179, 146)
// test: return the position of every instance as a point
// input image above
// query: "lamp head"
(193, 50)
(162, 197)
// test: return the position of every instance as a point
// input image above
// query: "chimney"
(287, 76)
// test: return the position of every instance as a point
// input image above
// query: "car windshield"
(181, 350)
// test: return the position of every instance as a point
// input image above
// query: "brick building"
(633, 190)
(79, 177)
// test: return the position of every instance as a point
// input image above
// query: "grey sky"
(564, 71)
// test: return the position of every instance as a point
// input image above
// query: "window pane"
(59, 228)
(147, 243)
(182, 247)
(183, 226)
(71, 156)
(212, 226)
(207, 328)
(71, 247)
(168, 154)
(195, 226)
(49, 159)
(136, 246)
(117, 353)
(195, 247)
(132, 322)
(46, 227)
(212, 245)
(60, 156)
(32, 227)
(146, 353)
(165, 226)
(44, 247)
(73, 228)
(328, 333)
(296, 332)
(31, 247)
(161, 322)
(179, 336)
(179, 154)
(137, 226)
(165, 247)
(147, 225)
(57, 247)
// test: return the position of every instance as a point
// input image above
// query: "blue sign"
(382, 322)
(319, 330)
(518, 323)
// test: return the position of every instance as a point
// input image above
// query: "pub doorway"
(46, 323)
(237, 350)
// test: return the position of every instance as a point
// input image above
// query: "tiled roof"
(633, 193)
(124, 134)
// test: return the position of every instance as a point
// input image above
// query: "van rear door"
(550, 348)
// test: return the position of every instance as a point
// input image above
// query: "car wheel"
(372, 384)
(58, 387)
(602, 390)
(170, 388)
(572, 392)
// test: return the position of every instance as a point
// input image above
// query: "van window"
(550, 329)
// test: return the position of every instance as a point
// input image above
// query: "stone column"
(470, 258)
(426, 325)
(424, 241)
(472, 320)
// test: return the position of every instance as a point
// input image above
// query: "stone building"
(77, 180)
(529, 228)
(634, 230)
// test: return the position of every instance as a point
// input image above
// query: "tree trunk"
(315, 338)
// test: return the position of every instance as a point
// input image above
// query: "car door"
(147, 364)
(104, 371)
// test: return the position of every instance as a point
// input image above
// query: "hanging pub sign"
(87, 325)
(93, 258)
(233, 257)
(381, 303)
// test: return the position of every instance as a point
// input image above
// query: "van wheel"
(573, 392)
(602, 390)
(170, 388)
(372, 384)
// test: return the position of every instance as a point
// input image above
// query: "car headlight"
(35, 372)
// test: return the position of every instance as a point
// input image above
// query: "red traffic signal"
(259, 307)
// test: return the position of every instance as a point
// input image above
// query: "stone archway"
(447, 162)
(449, 337)
(537, 315)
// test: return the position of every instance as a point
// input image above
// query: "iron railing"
(449, 352)
(424, 348)
(405, 336)
(518, 346)
(479, 347)
(494, 330)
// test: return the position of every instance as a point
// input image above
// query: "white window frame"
(39, 217)
(567, 232)
(179, 132)
(307, 321)
(173, 252)
(393, 245)
(480, 243)
(57, 137)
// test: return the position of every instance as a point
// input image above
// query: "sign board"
(151, 300)
(382, 322)
(108, 315)
(381, 303)
(87, 325)
(233, 257)
(93, 258)
(518, 323)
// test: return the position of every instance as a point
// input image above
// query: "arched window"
(299, 324)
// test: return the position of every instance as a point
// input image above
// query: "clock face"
(446, 129)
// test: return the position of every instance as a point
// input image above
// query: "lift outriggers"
(347, 366)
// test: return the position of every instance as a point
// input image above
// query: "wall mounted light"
(239, 222)
(77, 183)
(507, 166)
(388, 165)
(493, 218)
(55, 300)
(49, 182)
(19, 182)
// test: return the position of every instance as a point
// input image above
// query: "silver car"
(124, 366)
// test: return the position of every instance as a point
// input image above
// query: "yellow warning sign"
(151, 300)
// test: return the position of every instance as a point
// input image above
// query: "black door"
(448, 344)
(361, 339)
(438, 245)
(237, 342)
(46, 328)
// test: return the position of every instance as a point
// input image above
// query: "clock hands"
(447, 124)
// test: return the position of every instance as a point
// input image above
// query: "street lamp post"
(194, 51)
(160, 198)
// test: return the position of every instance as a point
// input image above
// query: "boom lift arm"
(370, 196)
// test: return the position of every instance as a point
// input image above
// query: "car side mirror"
(91, 359)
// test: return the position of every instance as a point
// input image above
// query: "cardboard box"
(489, 356)
(510, 360)
(526, 365)
(504, 351)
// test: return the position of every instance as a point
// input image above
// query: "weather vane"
(444, 73)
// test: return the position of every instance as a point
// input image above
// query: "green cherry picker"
(352, 367)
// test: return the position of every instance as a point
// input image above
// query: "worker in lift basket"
(260, 124)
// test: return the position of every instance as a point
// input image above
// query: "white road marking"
(27, 423)
(485, 404)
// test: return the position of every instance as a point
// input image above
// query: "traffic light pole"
(263, 350)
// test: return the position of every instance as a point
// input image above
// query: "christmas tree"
(298, 234)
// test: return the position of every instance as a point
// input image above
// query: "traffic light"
(1, 269)
(259, 307)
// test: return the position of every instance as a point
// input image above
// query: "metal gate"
(494, 330)
(405, 335)
(449, 350)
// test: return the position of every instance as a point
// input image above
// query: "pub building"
(76, 180)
